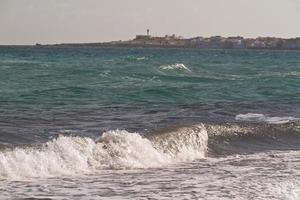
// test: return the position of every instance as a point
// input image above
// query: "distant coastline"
(215, 42)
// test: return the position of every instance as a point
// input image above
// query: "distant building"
(144, 37)
(173, 37)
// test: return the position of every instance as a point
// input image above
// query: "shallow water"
(273, 175)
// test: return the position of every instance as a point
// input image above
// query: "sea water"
(122, 123)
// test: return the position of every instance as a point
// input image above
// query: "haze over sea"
(122, 123)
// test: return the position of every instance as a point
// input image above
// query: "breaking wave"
(120, 149)
(177, 66)
(254, 117)
(113, 150)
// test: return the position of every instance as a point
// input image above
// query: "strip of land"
(215, 42)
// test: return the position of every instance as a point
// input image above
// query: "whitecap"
(177, 66)
(255, 117)
(118, 149)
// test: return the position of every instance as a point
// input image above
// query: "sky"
(65, 21)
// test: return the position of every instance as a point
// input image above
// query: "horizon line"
(99, 42)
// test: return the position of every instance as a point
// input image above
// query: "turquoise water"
(85, 76)
(43, 90)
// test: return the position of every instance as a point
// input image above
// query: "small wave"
(254, 117)
(141, 58)
(177, 66)
(113, 150)
(134, 58)
(244, 138)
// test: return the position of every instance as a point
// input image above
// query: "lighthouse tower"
(143, 37)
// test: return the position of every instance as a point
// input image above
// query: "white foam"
(294, 194)
(254, 117)
(78, 155)
(134, 58)
(141, 58)
(177, 66)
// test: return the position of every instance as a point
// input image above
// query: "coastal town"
(215, 42)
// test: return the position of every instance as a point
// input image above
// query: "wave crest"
(176, 66)
(254, 117)
(113, 150)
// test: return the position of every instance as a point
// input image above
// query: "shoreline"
(177, 42)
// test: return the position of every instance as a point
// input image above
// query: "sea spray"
(117, 149)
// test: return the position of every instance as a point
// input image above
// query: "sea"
(143, 123)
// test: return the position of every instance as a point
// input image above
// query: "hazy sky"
(57, 21)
